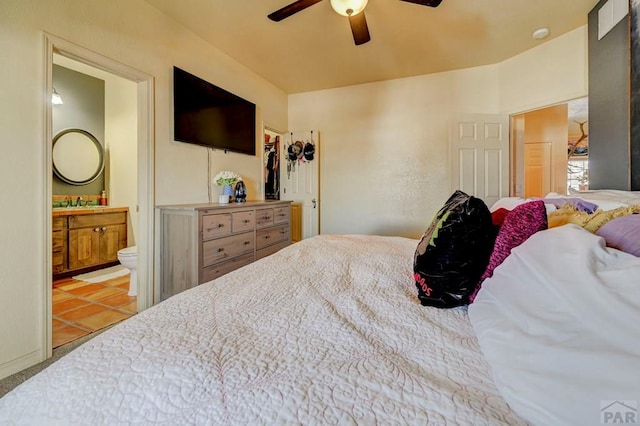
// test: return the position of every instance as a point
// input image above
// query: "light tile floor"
(80, 308)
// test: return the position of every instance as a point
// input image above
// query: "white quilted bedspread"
(327, 331)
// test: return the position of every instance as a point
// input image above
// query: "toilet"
(128, 257)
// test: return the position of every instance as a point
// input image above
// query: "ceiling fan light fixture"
(348, 7)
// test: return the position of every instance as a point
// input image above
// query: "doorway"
(91, 290)
(144, 145)
(550, 149)
(300, 180)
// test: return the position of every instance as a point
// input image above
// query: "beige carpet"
(8, 383)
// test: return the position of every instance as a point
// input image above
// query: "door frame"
(146, 169)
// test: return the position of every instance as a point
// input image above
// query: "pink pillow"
(623, 234)
(519, 224)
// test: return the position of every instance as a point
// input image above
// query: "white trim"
(146, 167)
(46, 335)
(20, 363)
(146, 193)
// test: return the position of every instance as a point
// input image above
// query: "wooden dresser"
(201, 242)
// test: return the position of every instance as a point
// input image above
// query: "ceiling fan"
(353, 9)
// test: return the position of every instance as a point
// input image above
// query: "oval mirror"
(78, 157)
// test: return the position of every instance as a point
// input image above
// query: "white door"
(480, 156)
(300, 177)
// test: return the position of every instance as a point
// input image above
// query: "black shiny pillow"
(454, 252)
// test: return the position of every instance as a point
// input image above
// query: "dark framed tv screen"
(205, 114)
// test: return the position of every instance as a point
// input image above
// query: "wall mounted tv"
(208, 115)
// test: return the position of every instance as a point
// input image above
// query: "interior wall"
(83, 108)
(130, 32)
(551, 73)
(517, 155)
(385, 145)
(121, 130)
(609, 123)
(385, 153)
(634, 113)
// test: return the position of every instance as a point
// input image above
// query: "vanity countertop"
(74, 211)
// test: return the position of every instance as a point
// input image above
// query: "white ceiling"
(314, 49)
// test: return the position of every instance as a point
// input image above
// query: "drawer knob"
(104, 228)
(220, 250)
(96, 229)
(246, 221)
(220, 225)
(246, 243)
(266, 237)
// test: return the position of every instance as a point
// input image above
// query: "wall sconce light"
(55, 98)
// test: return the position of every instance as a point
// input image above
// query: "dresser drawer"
(215, 271)
(221, 249)
(269, 236)
(243, 221)
(270, 250)
(216, 225)
(281, 214)
(264, 218)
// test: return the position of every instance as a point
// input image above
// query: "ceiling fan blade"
(359, 28)
(432, 3)
(291, 9)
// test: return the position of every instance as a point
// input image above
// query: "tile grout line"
(69, 323)
(84, 299)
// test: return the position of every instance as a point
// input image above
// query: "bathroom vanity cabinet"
(87, 238)
(201, 242)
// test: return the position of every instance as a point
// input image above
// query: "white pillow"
(558, 324)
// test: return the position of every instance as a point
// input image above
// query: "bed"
(331, 331)
(327, 331)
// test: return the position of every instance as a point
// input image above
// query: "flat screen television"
(208, 115)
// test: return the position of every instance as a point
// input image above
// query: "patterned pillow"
(521, 223)
(453, 252)
(623, 234)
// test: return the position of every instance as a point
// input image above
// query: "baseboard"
(20, 363)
